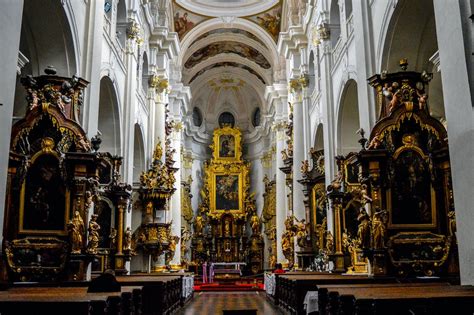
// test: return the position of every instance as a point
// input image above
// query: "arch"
(312, 74)
(121, 29)
(413, 22)
(237, 23)
(109, 117)
(145, 71)
(348, 120)
(334, 22)
(138, 154)
(45, 42)
(319, 138)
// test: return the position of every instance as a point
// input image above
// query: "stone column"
(364, 53)
(176, 198)
(453, 43)
(91, 66)
(328, 116)
(281, 202)
(299, 154)
(11, 17)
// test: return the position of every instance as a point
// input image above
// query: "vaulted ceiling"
(228, 55)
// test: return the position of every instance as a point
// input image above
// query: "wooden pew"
(435, 300)
(291, 289)
(160, 294)
(330, 301)
(54, 301)
(401, 299)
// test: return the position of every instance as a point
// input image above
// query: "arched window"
(197, 117)
(226, 118)
(256, 117)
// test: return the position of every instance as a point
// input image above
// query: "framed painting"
(44, 198)
(411, 198)
(227, 192)
(227, 146)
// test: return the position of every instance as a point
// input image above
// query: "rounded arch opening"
(44, 42)
(414, 22)
(335, 22)
(348, 120)
(319, 138)
(145, 73)
(312, 75)
(121, 29)
(109, 117)
(138, 154)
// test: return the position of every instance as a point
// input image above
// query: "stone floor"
(215, 302)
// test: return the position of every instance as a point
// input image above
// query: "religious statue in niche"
(45, 197)
(93, 238)
(227, 192)
(411, 198)
(76, 227)
(226, 146)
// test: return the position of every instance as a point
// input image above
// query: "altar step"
(216, 287)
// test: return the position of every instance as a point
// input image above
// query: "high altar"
(227, 206)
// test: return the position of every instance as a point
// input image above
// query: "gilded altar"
(226, 206)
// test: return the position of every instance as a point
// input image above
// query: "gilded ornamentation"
(76, 226)
(159, 176)
(379, 229)
(301, 232)
(127, 240)
(93, 239)
(363, 230)
(159, 83)
(329, 242)
(255, 224)
(298, 84)
(320, 33)
(305, 168)
(134, 31)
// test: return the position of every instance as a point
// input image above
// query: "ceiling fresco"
(269, 20)
(226, 82)
(185, 20)
(238, 48)
(221, 31)
(227, 64)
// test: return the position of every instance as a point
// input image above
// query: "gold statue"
(127, 241)
(363, 231)
(93, 239)
(76, 226)
(305, 168)
(113, 237)
(198, 224)
(227, 228)
(378, 229)
(301, 232)
(329, 242)
(255, 224)
(452, 223)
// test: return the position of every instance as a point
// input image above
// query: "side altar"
(227, 208)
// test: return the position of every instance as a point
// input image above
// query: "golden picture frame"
(226, 145)
(39, 210)
(226, 193)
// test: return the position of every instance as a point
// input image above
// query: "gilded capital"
(298, 84)
(158, 83)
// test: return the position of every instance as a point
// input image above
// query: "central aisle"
(215, 302)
